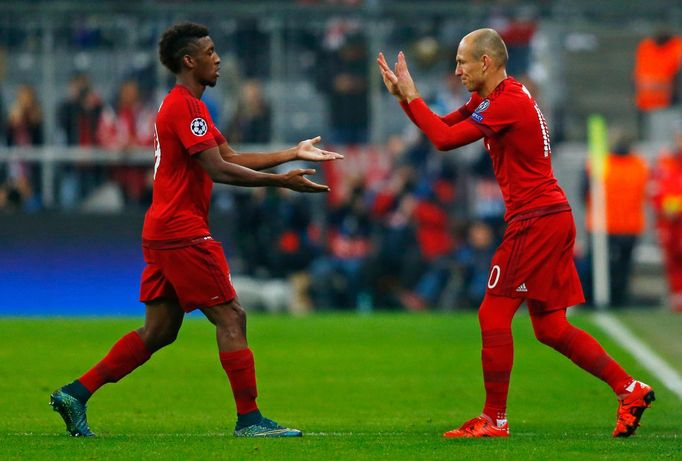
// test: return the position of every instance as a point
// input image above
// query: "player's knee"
(168, 336)
(238, 312)
(158, 337)
(231, 320)
(485, 317)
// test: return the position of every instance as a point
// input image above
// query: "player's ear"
(188, 61)
(486, 62)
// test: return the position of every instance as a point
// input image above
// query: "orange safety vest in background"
(625, 184)
(655, 69)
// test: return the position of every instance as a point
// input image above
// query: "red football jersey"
(516, 135)
(182, 189)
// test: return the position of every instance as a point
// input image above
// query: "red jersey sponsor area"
(182, 189)
(516, 136)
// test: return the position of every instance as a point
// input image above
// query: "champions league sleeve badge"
(481, 108)
(198, 126)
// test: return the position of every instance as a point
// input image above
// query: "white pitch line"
(643, 353)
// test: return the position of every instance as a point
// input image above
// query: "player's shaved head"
(489, 42)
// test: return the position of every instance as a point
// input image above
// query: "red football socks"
(498, 358)
(553, 329)
(128, 353)
(495, 316)
(241, 372)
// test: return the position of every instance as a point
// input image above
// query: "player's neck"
(194, 87)
(490, 85)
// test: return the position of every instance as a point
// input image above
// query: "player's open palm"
(296, 180)
(405, 83)
(390, 79)
(306, 150)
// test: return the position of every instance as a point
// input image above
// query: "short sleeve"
(217, 135)
(193, 125)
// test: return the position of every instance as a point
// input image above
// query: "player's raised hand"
(306, 150)
(296, 180)
(405, 83)
(390, 79)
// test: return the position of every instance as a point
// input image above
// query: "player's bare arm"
(224, 172)
(305, 150)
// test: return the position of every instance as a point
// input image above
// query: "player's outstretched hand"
(306, 150)
(296, 180)
(404, 80)
(390, 79)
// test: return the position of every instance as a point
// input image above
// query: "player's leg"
(163, 320)
(162, 323)
(238, 362)
(495, 317)
(553, 329)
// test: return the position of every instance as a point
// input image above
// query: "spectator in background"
(296, 246)
(448, 94)
(25, 119)
(252, 121)
(252, 208)
(3, 116)
(625, 182)
(25, 129)
(3, 166)
(667, 201)
(472, 264)
(343, 79)
(78, 118)
(435, 241)
(338, 277)
(79, 114)
(253, 50)
(517, 31)
(485, 199)
(129, 123)
(658, 61)
(396, 255)
(126, 126)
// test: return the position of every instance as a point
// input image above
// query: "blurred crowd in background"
(404, 227)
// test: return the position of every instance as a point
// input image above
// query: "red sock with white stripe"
(498, 357)
(497, 353)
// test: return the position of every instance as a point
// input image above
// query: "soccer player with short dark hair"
(186, 269)
(534, 262)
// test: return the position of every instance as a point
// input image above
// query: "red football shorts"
(196, 275)
(535, 262)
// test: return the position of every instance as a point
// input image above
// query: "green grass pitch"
(383, 386)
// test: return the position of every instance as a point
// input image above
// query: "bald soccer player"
(534, 262)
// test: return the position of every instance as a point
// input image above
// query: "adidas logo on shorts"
(522, 288)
